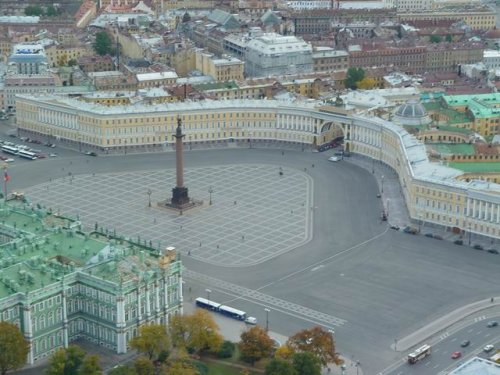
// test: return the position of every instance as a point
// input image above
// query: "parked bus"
(206, 304)
(27, 154)
(419, 354)
(10, 149)
(232, 313)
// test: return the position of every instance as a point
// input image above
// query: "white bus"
(10, 149)
(27, 154)
(419, 354)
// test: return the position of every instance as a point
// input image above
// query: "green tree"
(103, 44)
(255, 344)
(226, 350)
(449, 38)
(144, 366)
(13, 347)
(72, 62)
(33, 10)
(90, 366)
(152, 340)
(180, 367)
(354, 75)
(435, 39)
(66, 361)
(51, 11)
(306, 364)
(280, 367)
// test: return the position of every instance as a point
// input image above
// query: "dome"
(412, 113)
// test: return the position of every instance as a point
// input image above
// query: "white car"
(251, 320)
(488, 348)
(333, 158)
(9, 160)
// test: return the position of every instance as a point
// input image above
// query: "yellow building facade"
(434, 193)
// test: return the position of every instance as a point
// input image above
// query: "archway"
(331, 133)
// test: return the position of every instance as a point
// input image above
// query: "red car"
(456, 355)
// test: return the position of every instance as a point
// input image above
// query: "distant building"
(274, 54)
(477, 366)
(156, 79)
(491, 59)
(221, 69)
(66, 285)
(326, 59)
(96, 63)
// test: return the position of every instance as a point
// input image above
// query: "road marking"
(436, 366)
(317, 268)
(436, 350)
(427, 364)
(487, 335)
(453, 340)
(444, 335)
(479, 332)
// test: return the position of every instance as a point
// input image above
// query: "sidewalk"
(443, 323)
(231, 329)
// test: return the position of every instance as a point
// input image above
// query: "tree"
(103, 44)
(435, 39)
(366, 83)
(354, 75)
(33, 10)
(255, 344)
(197, 332)
(316, 341)
(180, 367)
(90, 366)
(280, 367)
(144, 366)
(72, 62)
(226, 350)
(186, 17)
(62, 60)
(152, 340)
(448, 38)
(51, 11)
(66, 361)
(284, 352)
(13, 347)
(306, 364)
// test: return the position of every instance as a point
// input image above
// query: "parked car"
(53, 155)
(395, 227)
(430, 235)
(333, 158)
(488, 348)
(465, 343)
(492, 323)
(9, 160)
(458, 242)
(251, 320)
(410, 230)
(456, 355)
(478, 247)
(438, 237)
(492, 251)
(90, 153)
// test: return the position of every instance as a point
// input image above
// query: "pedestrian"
(189, 252)
(492, 299)
(154, 220)
(235, 203)
(313, 165)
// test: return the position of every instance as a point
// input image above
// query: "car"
(339, 153)
(333, 158)
(53, 155)
(383, 216)
(9, 160)
(456, 355)
(395, 227)
(492, 251)
(90, 153)
(458, 242)
(488, 348)
(492, 324)
(478, 247)
(41, 155)
(251, 320)
(438, 237)
(430, 235)
(465, 343)
(410, 230)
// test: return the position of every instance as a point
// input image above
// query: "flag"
(6, 176)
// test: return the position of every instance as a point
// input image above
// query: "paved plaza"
(256, 213)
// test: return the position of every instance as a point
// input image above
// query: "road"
(369, 283)
(440, 360)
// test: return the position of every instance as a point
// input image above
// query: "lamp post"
(382, 189)
(210, 191)
(470, 232)
(373, 165)
(357, 367)
(388, 201)
(208, 294)
(419, 222)
(267, 318)
(395, 345)
(149, 192)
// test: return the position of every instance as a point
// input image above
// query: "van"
(251, 320)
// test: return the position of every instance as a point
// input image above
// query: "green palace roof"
(480, 105)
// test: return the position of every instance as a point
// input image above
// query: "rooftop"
(480, 105)
(493, 167)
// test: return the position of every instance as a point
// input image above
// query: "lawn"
(223, 369)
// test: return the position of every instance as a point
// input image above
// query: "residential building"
(491, 59)
(66, 285)
(448, 56)
(412, 5)
(433, 193)
(274, 54)
(221, 69)
(96, 63)
(85, 14)
(58, 54)
(156, 79)
(326, 59)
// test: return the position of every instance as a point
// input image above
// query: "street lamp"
(208, 294)
(470, 232)
(387, 204)
(419, 222)
(267, 318)
(149, 192)
(395, 345)
(373, 165)
(382, 189)
(210, 191)
(357, 367)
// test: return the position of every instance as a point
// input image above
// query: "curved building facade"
(432, 191)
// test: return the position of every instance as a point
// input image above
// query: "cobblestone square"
(256, 213)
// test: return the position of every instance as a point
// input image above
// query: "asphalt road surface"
(367, 282)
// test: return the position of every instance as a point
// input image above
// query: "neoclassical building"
(59, 284)
(434, 193)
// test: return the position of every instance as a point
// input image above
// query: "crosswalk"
(479, 318)
(267, 300)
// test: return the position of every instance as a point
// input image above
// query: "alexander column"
(180, 198)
